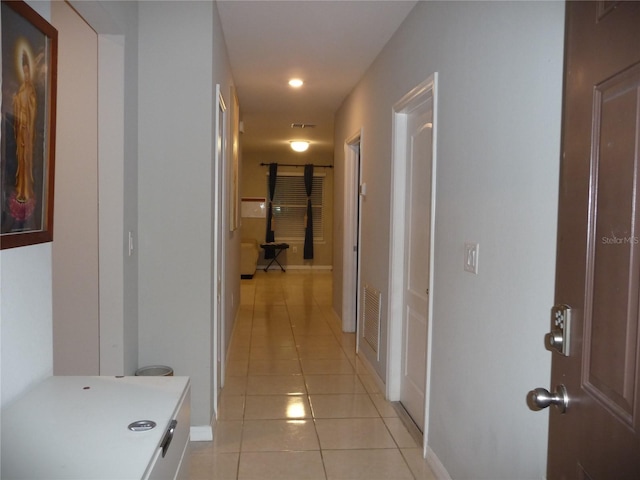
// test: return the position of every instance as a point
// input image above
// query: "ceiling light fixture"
(296, 82)
(299, 145)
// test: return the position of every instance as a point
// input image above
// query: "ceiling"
(328, 44)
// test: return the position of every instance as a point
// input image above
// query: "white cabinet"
(77, 428)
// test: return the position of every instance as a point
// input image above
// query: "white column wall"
(75, 237)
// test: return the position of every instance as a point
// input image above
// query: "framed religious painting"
(29, 61)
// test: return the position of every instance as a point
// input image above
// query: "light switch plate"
(471, 251)
(130, 243)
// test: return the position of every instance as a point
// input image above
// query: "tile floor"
(297, 402)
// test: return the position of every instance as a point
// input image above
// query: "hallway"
(297, 402)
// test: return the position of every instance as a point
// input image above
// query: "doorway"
(218, 340)
(351, 244)
(412, 232)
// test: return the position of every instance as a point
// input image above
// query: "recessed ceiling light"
(296, 82)
(299, 145)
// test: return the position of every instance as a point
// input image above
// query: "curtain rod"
(294, 165)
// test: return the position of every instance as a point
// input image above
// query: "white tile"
(353, 433)
(281, 466)
(234, 385)
(226, 436)
(320, 350)
(280, 340)
(334, 384)
(221, 466)
(366, 465)
(272, 353)
(319, 366)
(275, 385)
(400, 434)
(418, 464)
(383, 405)
(347, 405)
(237, 368)
(274, 367)
(231, 407)
(278, 436)
(277, 407)
(369, 383)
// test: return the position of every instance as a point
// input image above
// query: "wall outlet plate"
(471, 251)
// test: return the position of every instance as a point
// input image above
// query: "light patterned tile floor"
(297, 401)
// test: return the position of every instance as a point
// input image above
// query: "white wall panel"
(25, 318)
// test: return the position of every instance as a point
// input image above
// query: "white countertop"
(76, 427)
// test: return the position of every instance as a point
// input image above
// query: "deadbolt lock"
(560, 335)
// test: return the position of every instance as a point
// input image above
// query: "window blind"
(290, 206)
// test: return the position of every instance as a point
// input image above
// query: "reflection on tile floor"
(297, 403)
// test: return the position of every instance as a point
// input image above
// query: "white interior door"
(351, 243)
(419, 152)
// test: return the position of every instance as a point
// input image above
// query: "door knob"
(542, 398)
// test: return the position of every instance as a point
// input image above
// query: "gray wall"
(29, 272)
(499, 109)
(159, 188)
(179, 66)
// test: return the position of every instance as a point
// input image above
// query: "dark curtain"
(270, 237)
(308, 229)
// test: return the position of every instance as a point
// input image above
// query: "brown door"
(598, 264)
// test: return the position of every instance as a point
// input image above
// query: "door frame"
(351, 237)
(218, 245)
(422, 92)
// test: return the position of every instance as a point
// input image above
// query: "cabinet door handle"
(168, 436)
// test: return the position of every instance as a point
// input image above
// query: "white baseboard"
(374, 375)
(436, 465)
(201, 433)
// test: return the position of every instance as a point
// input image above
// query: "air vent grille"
(303, 125)
(371, 318)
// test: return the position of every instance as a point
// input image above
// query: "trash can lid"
(155, 370)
